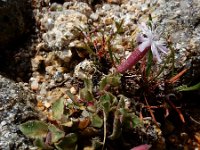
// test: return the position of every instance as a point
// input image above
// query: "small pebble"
(73, 90)
(94, 16)
(58, 77)
(3, 123)
(47, 104)
(34, 85)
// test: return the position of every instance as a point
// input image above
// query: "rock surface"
(15, 108)
(180, 20)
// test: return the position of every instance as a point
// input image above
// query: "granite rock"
(15, 108)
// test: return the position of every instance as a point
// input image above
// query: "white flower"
(150, 39)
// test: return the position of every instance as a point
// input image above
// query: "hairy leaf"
(96, 143)
(96, 121)
(88, 84)
(109, 80)
(86, 95)
(34, 129)
(41, 144)
(58, 109)
(56, 133)
(68, 142)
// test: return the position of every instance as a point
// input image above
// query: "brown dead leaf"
(197, 137)
(83, 123)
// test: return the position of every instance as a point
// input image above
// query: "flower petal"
(143, 26)
(140, 38)
(155, 52)
(144, 45)
(151, 39)
(162, 48)
(145, 29)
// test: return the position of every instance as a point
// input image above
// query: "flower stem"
(135, 56)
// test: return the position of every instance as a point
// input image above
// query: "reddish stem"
(135, 56)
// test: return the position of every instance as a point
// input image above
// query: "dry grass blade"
(177, 77)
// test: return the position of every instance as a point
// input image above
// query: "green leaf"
(136, 121)
(88, 85)
(119, 26)
(34, 129)
(116, 80)
(103, 83)
(86, 95)
(71, 96)
(68, 142)
(116, 127)
(113, 80)
(96, 143)
(86, 92)
(129, 120)
(41, 144)
(167, 61)
(149, 63)
(122, 101)
(126, 118)
(190, 88)
(106, 107)
(116, 59)
(91, 108)
(58, 109)
(105, 101)
(108, 97)
(56, 133)
(96, 121)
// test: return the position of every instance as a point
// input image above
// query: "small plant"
(94, 117)
(63, 130)
(98, 44)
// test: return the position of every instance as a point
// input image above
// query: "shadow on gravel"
(16, 30)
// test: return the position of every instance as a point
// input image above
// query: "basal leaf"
(41, 144)
(117, 129)
(96, 121)
(105, 102)
(86, 95)
(58, 109)
(96, 143)
(68, 142)
(116, 80)
(88, 85)
(116, 126)
(56, 133)
(34, 129)
(103, 83)
(136, 121)
(71, 96)
(108, 97)
(113, 80)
